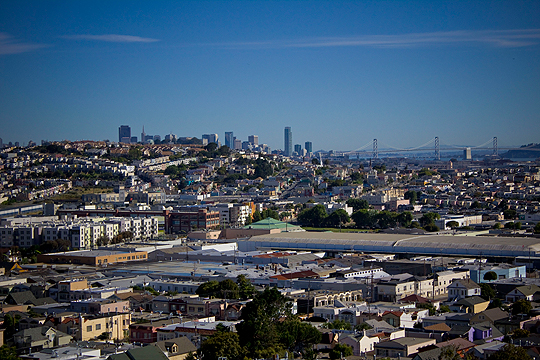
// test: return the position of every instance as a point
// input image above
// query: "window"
(98, 326)
(89, 328)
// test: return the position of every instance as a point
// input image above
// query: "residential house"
(483, 351)
(26, 298)
(401, 347)
(99, 306)
(404, 319)
(140, 353)
(176, 349)
(38, 338)
(482, 331)
(137, 301)
(525, 292)
(489, 315)
(361, 342)
(473, 305)
(146, 333)
(460, 289)
(89, 327)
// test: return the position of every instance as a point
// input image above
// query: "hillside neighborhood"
(191, 251)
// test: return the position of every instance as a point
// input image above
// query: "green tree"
(497, 226)
(452, 224)
(228, 289)
(487, 291)
(11, 324)
(476, 205)
(357, 177)
(520, 333)
(429, 218)
(313, 217)
(270, 213)
(338, 325)
(337, 218)
(444, 308)
(363, 326)
(386, 219)
(207, 289)
(363, 218)
(431, 227)
(257, 216)
(495, 303)
(340, 351)
(222, 344)
(405, 218)
(490, 276)
(510, 352)
(245, 287)
(104, 336)
(427, 306)
(509, 214)
(8, 353)
(411, 195)
(258, 330)
(357, 204)
(297, 336)
(537, 228)
(449, 353)
(521, 306)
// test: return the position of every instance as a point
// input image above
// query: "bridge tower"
(375, 154)
(437, 149)
(495, 147)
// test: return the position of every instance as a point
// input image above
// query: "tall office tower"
(229, 139)
(1, 144)
(237, 144)
(467, 154)
(124, 134)
(288, 141)
(253, 139)
(133, 139)
(157, 138)
(298, 149)
(170, 138)
(309, 147)
(143, 135)
(211, 138)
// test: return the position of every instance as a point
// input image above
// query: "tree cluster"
(267, 328)
(372, 219)
(317, 217)
(266, 213)
(227, 289)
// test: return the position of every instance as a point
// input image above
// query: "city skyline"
(339, 73)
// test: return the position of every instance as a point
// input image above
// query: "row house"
(99, 306)
(87, 327)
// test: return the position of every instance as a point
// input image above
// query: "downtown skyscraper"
(124, 134)
(288, 150)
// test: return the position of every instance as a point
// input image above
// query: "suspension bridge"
(371, 149)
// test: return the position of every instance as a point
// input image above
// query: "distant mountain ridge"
(531, 150)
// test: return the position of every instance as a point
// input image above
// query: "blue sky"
(338, 73)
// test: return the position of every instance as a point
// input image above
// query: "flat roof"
(397, 243)
(93, 253)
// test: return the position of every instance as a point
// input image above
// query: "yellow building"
(92, 326)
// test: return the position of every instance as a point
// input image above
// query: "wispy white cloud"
(493, 38)
(10, 45)
(112, 38)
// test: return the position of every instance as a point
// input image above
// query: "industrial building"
(430, 244)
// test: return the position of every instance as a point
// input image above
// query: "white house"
(460, 289)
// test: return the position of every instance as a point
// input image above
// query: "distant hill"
(525, 151)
